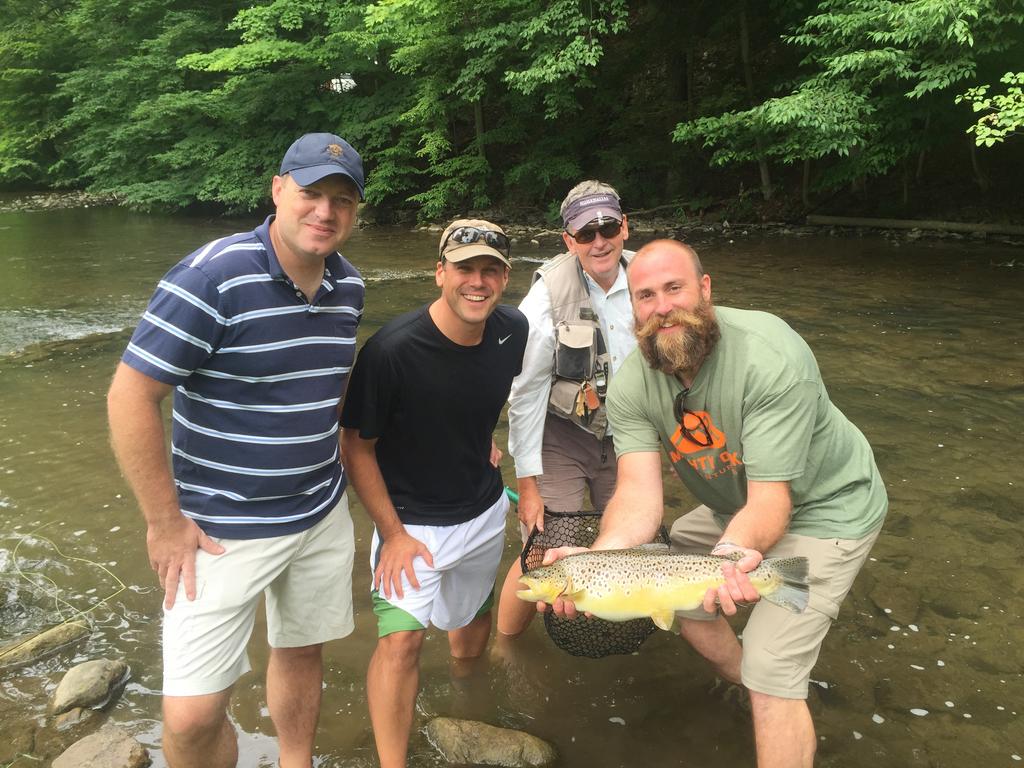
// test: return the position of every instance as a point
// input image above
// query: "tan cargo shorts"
(781, 647)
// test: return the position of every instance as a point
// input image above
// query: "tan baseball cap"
(465, 238)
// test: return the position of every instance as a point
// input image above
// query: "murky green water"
(919, 342)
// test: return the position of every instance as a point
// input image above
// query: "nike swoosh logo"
(502, 341)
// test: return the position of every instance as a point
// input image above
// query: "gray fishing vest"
(581, 369)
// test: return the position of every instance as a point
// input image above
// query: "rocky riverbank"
(532, 229)
(697, 232)
(77, 730)
(51, 201)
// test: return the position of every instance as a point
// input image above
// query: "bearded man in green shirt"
(736, 400)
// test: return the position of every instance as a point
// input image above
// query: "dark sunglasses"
(607, 231)
(467, 235)
(702, 435)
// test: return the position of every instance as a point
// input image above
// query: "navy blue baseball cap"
(317, 155)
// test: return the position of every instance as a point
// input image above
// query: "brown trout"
(651, 581)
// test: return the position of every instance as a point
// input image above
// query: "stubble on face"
(681, 351)
(306, 225)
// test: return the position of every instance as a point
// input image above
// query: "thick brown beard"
(683, 351)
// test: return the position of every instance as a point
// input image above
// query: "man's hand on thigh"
(172, 547)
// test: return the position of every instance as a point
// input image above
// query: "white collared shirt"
(528, 400)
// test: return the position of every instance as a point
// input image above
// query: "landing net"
(583, 636)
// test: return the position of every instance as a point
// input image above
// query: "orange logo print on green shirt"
(697, 434)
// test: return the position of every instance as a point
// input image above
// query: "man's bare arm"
(753, 530)
(398, 549)
(636, 509)
(137, 437)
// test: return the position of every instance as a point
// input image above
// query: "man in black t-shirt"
(422, 403)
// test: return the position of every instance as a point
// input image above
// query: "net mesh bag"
(583, 636)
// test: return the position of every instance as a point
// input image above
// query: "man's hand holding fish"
(561, 606)
(737, 589)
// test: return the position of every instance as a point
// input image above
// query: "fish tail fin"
(793, 593)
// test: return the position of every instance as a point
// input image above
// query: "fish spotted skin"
(623, 584)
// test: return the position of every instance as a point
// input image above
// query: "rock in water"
(109, 747)
(73, 718)
(88, 685)
(474, 743)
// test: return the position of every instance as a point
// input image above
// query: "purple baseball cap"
(317, 155)
(600, 207)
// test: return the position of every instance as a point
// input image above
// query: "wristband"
(726, 543)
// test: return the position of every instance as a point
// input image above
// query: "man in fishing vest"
(255, 335)
(581, 329)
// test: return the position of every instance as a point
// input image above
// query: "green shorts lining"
(391, 618)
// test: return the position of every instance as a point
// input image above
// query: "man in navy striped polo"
(255, 333)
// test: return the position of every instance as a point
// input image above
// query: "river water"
(919, 342)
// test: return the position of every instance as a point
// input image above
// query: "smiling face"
(470, 290)
(674, 320)
(600, 258)
(312, 222)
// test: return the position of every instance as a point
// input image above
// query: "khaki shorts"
(574, 462)
(459, 587)
(307, 580)
(781, 647)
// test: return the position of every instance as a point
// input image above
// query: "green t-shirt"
(761, 404)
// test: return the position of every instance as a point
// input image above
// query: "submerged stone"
(475, 743)
(90, 684)
(73, 718)
(109, 747)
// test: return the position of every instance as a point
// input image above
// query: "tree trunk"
(979, 174)
(748, 76)
(478, 122)
(691, 106)
(805, 184)
(919, 174)
(857, 184)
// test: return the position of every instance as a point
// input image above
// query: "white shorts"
(453, 592)
(307, 579)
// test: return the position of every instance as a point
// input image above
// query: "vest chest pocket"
(575, 351)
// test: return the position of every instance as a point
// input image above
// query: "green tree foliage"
(135, 123)
(1004, 112)
(281, 72)
(875, 74)
(458, 104)
(478, 75)
(31, 58)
